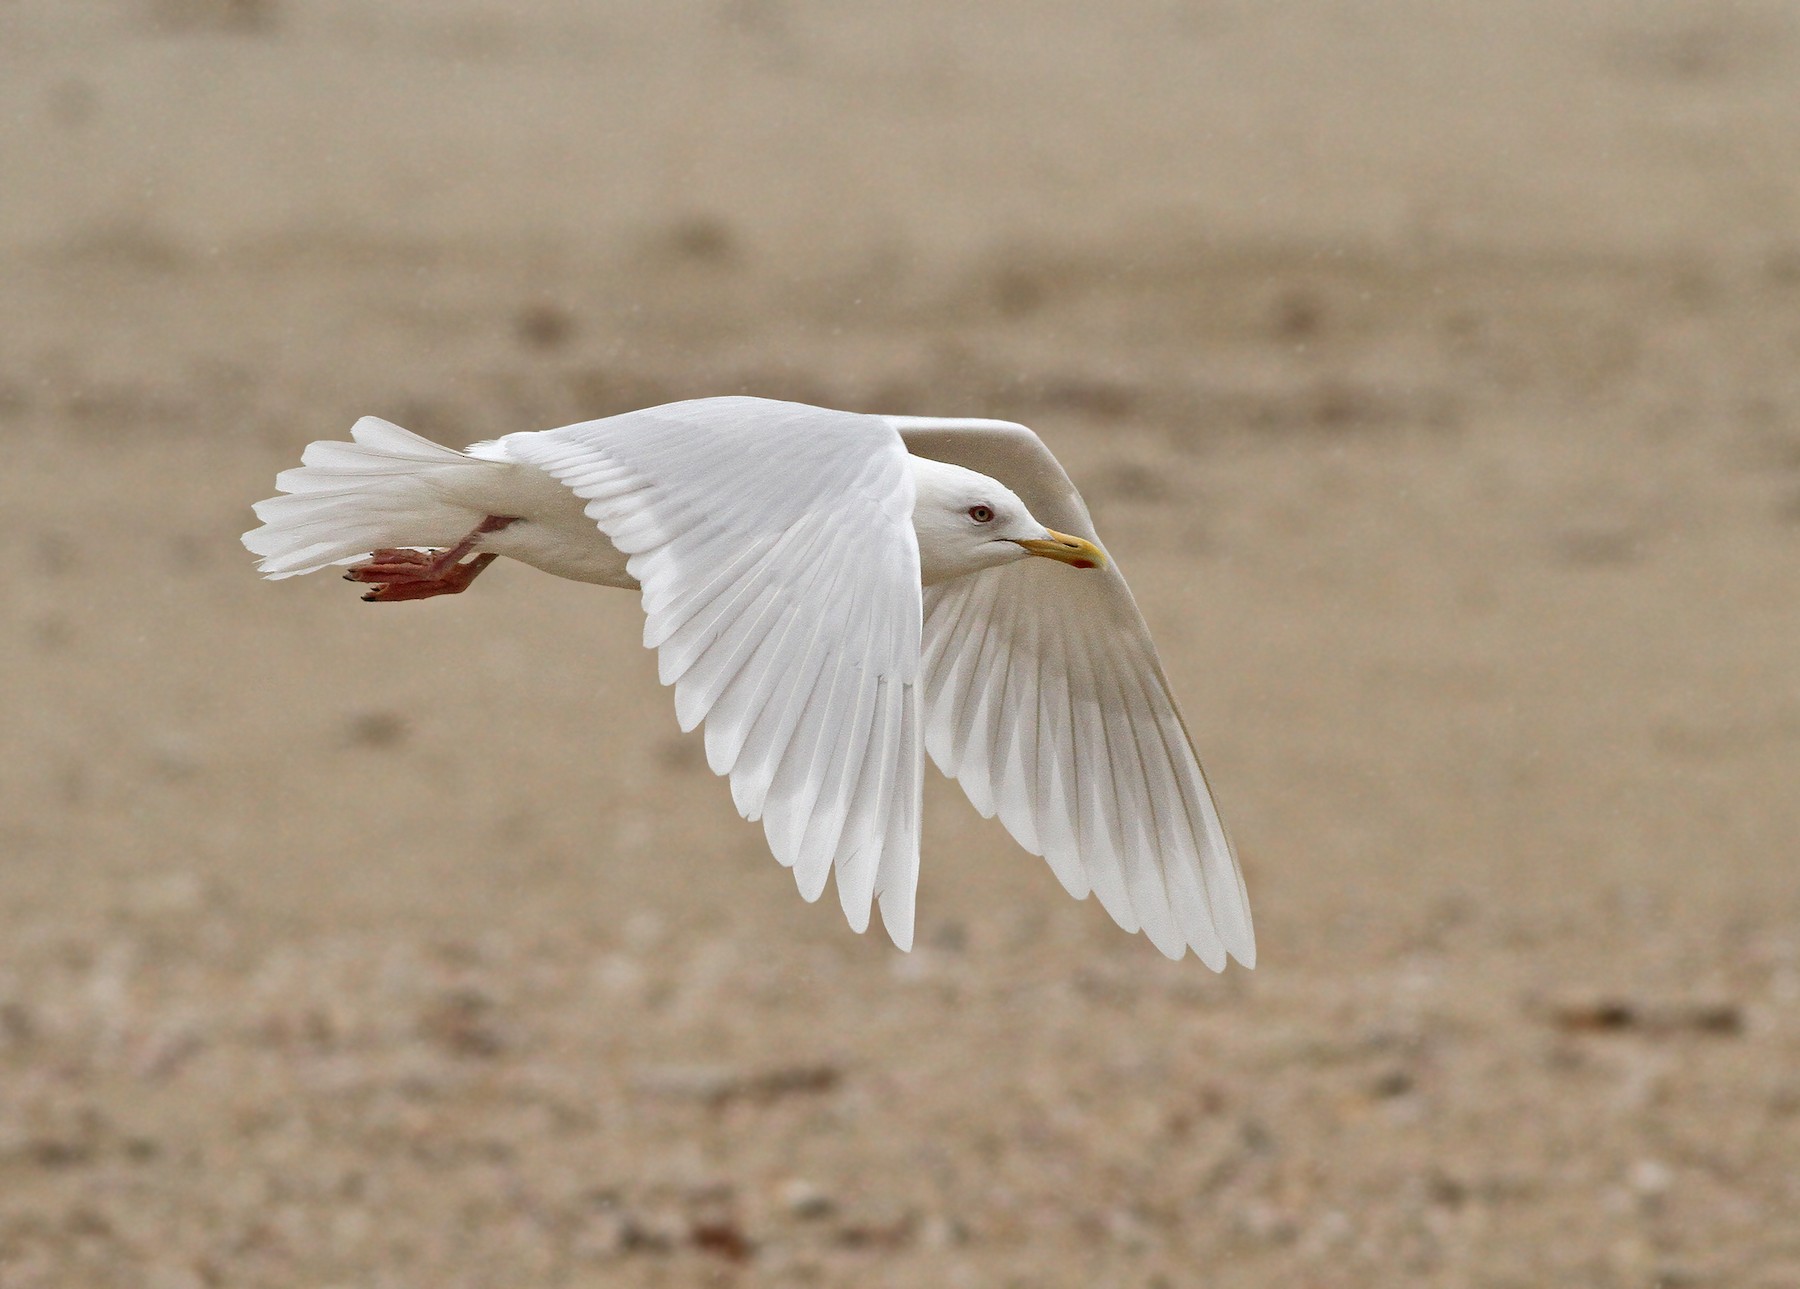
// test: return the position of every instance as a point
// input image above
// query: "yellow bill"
(1064, 549)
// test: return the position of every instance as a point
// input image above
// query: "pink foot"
(398, 575)
(403, 580)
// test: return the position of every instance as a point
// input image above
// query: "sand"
(1430, 369)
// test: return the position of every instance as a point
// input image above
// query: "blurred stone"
(937, 1231)
(1100, 399)
(702, 239)
(1264, 1222)
(601, 1236)
(167, 1051)
(681, 753)
(544, 326)
(375, 729)
(167, 893)
(882, 1226)
(1650, 1177)
(239, 17)
(619, 973)
(948, 935)
(722, 1237)
(644, 930)
(1599, 544)
(1126, 1229)
(1332, 1230)
(462, 1023)
(658, 1230)
(1612, 1014)
(1391, 1083)
(173, 1275)
(1298, 314)
(719, 1084)
(18, 1025)
(804, 1200)
(54, 632)
(173, 755)
(1784, 1100)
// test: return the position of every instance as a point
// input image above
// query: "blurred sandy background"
(1434, 370)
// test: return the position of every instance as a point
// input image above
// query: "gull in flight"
(833, 596)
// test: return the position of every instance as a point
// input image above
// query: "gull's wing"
(1044, 697)
(780, 573)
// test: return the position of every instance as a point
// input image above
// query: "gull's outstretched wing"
(780, 572)
(1045, 699)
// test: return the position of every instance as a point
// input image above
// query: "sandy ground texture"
(1434, 370)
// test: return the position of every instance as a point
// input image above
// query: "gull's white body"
(818, 602)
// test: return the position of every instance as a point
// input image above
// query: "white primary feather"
(780, 576)
(1046, 700)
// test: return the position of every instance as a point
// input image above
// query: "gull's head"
(967, 522)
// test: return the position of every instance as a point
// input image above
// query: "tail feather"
(377, 435)
(388, 487)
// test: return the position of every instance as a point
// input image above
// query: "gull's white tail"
(386, 488)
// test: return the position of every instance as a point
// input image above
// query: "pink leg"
(419, 575)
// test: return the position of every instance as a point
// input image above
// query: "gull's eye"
(980, 514)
